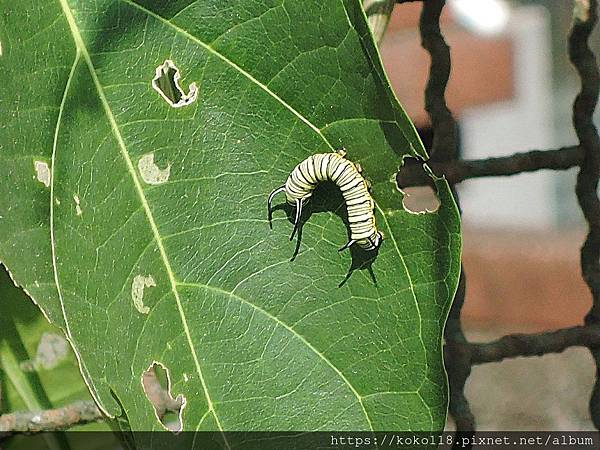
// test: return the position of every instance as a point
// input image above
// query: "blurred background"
(511, 90)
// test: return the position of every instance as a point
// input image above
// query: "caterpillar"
(355, 189)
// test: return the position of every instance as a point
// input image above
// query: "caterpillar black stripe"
(334, 167)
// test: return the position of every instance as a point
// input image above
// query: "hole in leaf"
(166, 83)
(417, 186)
(157, 386)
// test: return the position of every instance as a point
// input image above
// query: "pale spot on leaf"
(42, 172)
(150, 172)
(141, 282)
(78, 209)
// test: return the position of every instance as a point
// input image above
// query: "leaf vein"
(230, 63)
(124, 152)
(290, 330)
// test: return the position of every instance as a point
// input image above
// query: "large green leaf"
(161, 245)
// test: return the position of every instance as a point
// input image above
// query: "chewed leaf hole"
(417, 187)
(166, 83)
(157, 386)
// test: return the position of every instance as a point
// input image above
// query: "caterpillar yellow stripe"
(347, 176)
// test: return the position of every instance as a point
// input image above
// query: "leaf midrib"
(291, 330)
(83, 49)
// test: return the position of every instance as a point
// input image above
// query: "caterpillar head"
(372, 242)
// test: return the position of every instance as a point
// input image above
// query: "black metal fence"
(460, 354)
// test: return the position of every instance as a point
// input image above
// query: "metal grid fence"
(460, 354)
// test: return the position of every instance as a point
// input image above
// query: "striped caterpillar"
(355, 189)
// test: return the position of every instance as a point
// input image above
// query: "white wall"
(524, 123)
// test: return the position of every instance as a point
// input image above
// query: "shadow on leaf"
(327, 197)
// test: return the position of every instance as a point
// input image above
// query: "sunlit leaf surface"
(156, 211)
